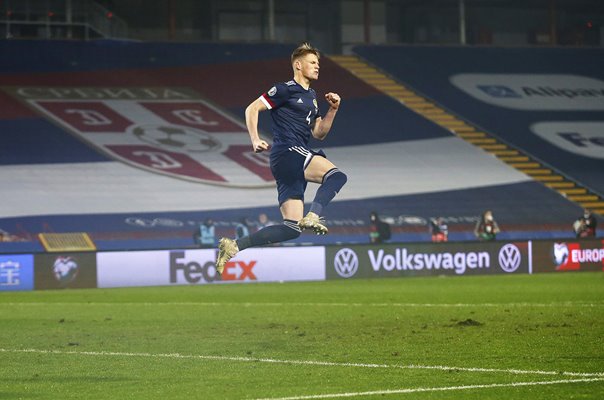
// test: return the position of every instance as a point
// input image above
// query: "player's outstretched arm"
(251, 121)
(323, 125)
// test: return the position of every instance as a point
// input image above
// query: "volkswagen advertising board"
(391, 260)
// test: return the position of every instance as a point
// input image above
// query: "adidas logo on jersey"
(299, 101)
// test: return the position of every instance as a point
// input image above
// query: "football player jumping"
(295, 118)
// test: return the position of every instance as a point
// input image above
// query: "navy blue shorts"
(288, 169)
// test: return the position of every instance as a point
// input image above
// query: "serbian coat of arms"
(169, 131)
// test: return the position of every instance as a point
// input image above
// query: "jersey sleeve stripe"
(267, 102)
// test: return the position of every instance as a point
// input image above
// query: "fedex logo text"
(191, 271)
(580, 141)
(584, 138)
(239, 271)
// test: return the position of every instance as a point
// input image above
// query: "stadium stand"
(547, 102)
(79, 126)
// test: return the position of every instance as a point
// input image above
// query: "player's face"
(309, 65)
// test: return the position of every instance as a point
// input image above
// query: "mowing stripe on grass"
(307, 362)
(435, 389)
(249, 304)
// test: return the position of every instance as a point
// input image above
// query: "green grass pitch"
(482, 337)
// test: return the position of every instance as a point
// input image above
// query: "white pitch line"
(308, 362)
(434, 389)
(265, 304)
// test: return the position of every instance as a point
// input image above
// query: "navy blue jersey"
(294, 111)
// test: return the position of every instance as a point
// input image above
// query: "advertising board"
(191, 267)
(16, 272)
(390, 260)
(568, 255)
(61, 271)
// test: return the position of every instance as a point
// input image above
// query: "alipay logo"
(16, 272)
(499, 91)
(509, 258)
(346, 263)
(533, 91)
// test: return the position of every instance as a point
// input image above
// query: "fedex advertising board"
(193, 267)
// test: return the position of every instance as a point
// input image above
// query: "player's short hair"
(304, 49)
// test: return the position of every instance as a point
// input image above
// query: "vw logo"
(509, 258)
(346, 263)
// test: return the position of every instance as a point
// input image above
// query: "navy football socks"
(271, 234)
(333, 181)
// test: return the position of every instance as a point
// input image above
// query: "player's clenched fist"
(333, 99)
